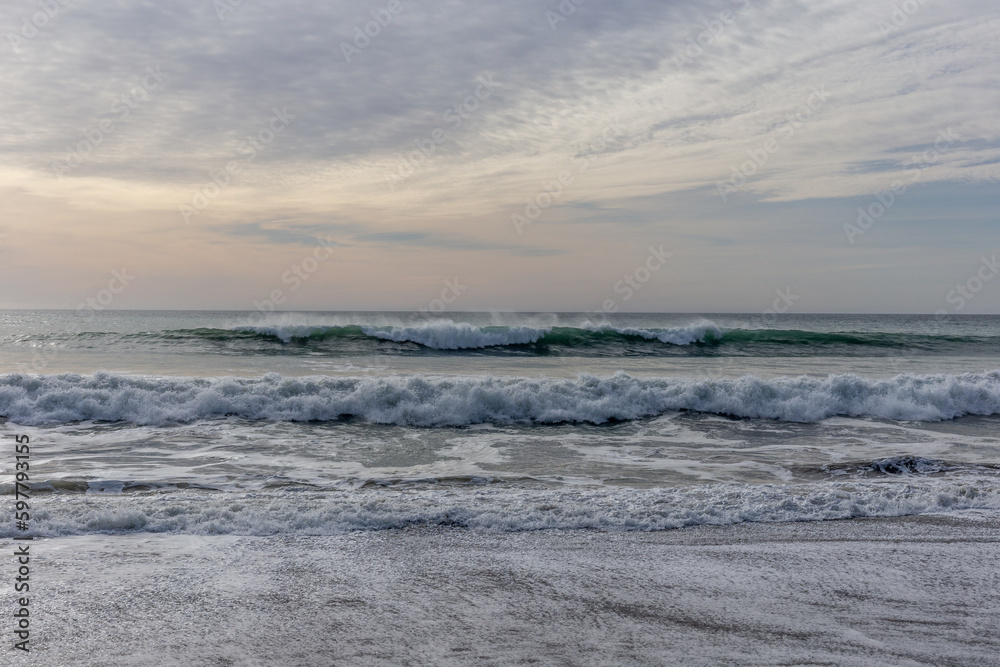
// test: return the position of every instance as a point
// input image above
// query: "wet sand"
(909, 591)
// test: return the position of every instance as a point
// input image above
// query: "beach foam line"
(489, 509)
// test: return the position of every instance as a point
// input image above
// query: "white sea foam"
(287, 332)
(447, 335)
(503, 509)
(457, 401)
(694, 333)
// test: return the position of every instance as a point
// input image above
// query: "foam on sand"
(899, 591)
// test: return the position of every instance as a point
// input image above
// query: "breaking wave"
(699, 338)
(425, 400)
(460, 336)
(448, 335)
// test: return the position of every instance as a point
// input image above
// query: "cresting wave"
(336, 512)
(695, 333)
(698, 338)
(448, 335)
(461, 336)
(459, 401)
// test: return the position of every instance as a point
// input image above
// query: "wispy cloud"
(354, 234)
(686, 121)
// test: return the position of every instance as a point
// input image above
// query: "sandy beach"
(499, 333)
(908, 591)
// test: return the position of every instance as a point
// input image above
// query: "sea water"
(319, 423)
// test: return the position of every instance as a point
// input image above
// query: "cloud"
(354, 234)
(399, 144)
(556, 87)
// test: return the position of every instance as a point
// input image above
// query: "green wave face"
(280, 334)
(448, 338)
(793, 337)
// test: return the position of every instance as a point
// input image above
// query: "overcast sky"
(533, 153)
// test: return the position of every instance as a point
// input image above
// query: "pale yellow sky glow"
(534, 163)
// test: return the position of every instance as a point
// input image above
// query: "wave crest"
(286, 333)
(448, 335)
(459, 401)
(700, 332)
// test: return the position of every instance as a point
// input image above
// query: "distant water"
(227, 422)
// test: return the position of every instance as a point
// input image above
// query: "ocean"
(319, 424)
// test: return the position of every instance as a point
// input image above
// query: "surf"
(433, 401)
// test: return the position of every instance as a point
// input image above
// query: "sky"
(573, 155)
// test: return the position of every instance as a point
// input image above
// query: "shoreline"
(908, 590)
